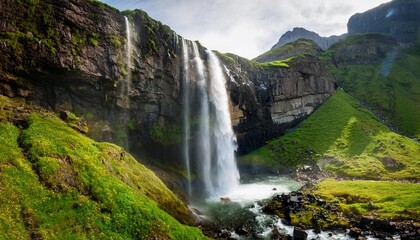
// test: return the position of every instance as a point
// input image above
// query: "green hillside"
(344, 138)
(56, 183)
(390, 84)
(298, 47)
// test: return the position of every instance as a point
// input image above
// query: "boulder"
(299, 234)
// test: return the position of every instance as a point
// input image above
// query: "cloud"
(248, 27)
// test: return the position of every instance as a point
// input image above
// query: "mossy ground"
(57, 183)
(390, 199)
(345, 139)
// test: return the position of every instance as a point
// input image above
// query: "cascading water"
(204, 153)
(205, 100)
(227, 174)
(128, 57)
(186, 112)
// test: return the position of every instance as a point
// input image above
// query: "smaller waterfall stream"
(129, 48)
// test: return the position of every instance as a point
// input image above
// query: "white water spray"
(128, 56)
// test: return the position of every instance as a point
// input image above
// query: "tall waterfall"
(224, 139)
(128, 56)
(186, 111)
(209, 143)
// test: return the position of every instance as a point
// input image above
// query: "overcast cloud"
(248, 27)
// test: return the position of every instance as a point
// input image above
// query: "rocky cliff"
(399, 18)
(70, 55)
(298, 33)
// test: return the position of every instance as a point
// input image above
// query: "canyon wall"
(71, 56)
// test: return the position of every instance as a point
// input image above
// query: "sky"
(248, 27)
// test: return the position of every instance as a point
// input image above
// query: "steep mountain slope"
(56, 183)
(398, 18)
(301, 46)
(346, 139)
(384, 77)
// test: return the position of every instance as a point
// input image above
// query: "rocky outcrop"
(399, 18)
(70, 55)
(270, 100)
(302, 33)
(369, 48)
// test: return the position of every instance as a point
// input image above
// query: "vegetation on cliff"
(57, 183)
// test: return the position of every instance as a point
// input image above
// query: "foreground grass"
(346, 139)
(390, 199)
(55, 183)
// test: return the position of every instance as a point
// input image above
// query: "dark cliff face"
(399, 18)
(302, 33)
(267, 101)
(71, 55)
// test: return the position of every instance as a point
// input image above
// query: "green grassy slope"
(390, 199)
(55, 183)
(298, 47)
(344, 138)
(393, 92)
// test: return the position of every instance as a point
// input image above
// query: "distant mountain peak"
(302, 33)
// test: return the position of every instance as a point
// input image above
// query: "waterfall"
(204, 155)
(186, 111)
(128, 57)
(209, 144)
(227, 174)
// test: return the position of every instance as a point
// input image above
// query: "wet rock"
(299, 234)
(355, 232)
(277, 235)
(225, 199)
(242, 230)
(384, 226)
(364, 221)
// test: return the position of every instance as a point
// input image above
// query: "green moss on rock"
(57, 183)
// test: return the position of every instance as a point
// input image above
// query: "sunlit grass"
(390, 199)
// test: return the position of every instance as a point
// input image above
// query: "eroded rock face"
(70, 56)
(271, 100)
